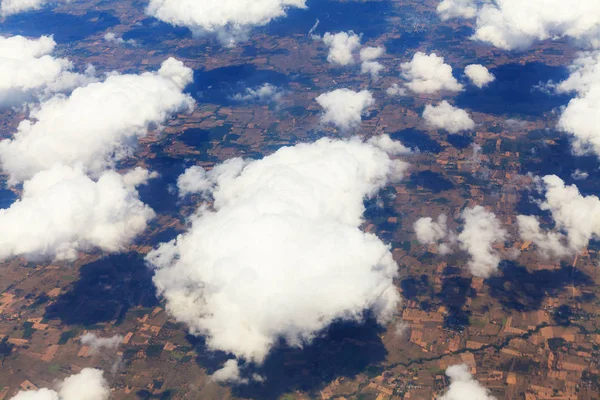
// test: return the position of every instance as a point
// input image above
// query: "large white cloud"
(230, 19)
(517, 24)
(29, 71)
(580, 117)
(280, 253)
(429, 74)
(446, 116)
(96, 124)
(342, 46)
(480, 232)
(344, 107)
(63, 211)
(463, 386)
(577, 219)
(89, 384)
(479, 75)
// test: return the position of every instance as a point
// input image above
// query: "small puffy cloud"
(89, 384)
(138, 176)
(579, 175)
(117, 111)
(429, 231)
(96, 343)
(480, 232)
(449, 9)
(193, 180)
(342, 46)
(62, 211)
(576, 218)
(279, 253)
(549, 244)
(429, 74)
(371, 53)
(230, 20)
(580, 116)
(11, 7)
(266, 93)
(372, 68)
(446, 116)
(28, 70)
(517, 24)
(479, 75)
(463, 386)
(392, 147)
(368, 55)
(395, 90)
(344, 107)
(111, 37)
(230, 373)
(401, 329)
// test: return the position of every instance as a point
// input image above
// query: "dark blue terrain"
(65, 28)
(515, 91)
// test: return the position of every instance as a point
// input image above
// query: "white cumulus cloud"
(372, 68)
(368, 55)
(449, 9)
(395, 90)
(580, 175)
(11, 7)
(265, 93)
(28, 71)
(96, 343)
(580, 116)
(193, 180)
(517, 24)
(479, 75)
(576, 218)
(342, 46)
(344, 107)
(97, 124)
(89, 384)
(392, 147)
(429, 74)
(230, 373)
(446, 116)
(279, 253)
(371, 53)
(480, 232)
(229, 19)
(63, 211)
(111, 37)
(437, 232)
(463, 386)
